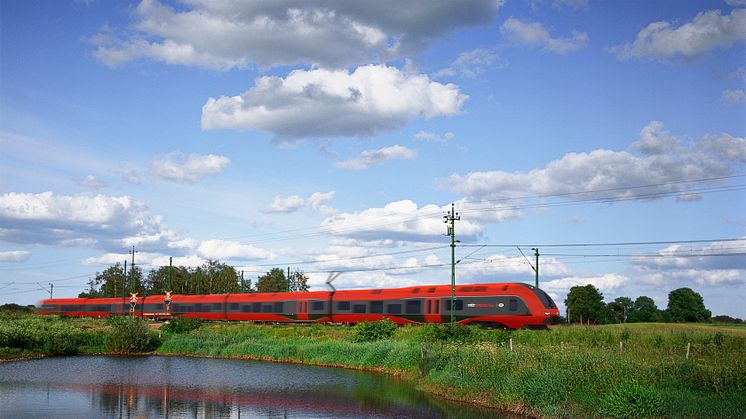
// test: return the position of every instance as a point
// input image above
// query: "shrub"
(448, 332)
(181, 325)
(631, 399)
(370, 331)
(130, 335)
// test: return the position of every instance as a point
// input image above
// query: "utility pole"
(132, 270)
(51, 290)
(170, 268)
(452, 218)
(536, 253)
(243, 284)
(124, 282)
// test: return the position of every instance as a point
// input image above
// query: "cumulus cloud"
(317, 201)
(733, 96)
(470, 64)
(501, 268)
(225, 250)
(374, 157)
(285, 205)
(225, 35)
(92, 182)
(191, 168)
(534, 34)
(434, 137)
(605, 283)
(400, 220)
(661, 160)
(333, 103)
(101, 220)
(717, 256)
(15, 256)
(707, 31)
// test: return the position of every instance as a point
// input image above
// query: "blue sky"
(334, 135)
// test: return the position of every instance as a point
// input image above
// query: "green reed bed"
(567, 371)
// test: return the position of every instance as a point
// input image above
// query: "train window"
(278, 307)
(256, 307)
(513, 304)
(376, 306)
(217, 306)
(437, 306)
(429, 306)
(459, 305)
(318, 306)
(393, 309)
(415, 290)
(343, 305)
(358, 308)
(198, 307)
(234, 306)
(414, 307)
(266, 308)
(246, 308)
(431, 289)
(206, 308)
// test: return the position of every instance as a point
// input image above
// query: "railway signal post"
(451, 218)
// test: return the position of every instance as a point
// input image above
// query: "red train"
(511, 305)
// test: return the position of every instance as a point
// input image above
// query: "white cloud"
(15, 256)
(130, 176)
(400, 220)
(605, 283)
(285, 205)
(373, 157)
(434, 137)
(502, 266)
(316, 201)
(224, 249)
(717, 256)
(664, 161)
(92, 182)
(225, 35)
(324, 103)
(100, 220)
(534, 34)
(190, 169)
(572, 4)
(707, 31)
(470, 64)
(733, 96)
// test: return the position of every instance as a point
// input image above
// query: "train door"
(432, 310)
(302, 310)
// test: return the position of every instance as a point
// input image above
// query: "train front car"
(510, 305)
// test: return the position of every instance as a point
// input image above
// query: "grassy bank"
(638, 370)
(568, 371)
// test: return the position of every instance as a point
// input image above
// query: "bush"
(370, 331)
(632, 400)
(130, 335)
(181, 325)
(448, 332)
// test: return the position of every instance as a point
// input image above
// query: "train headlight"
(546, 313)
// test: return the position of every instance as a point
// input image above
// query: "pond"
(157, 386)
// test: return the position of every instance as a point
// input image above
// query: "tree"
(272, 281)
(157, 281)
(584, 303)
(618, 310)
(109, 282)
(685, 305)
(298, 282)
(220, 278)
(643, 310)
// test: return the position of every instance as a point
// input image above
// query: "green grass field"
(633, 370)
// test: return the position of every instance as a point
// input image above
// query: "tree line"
(213, 277)
(585, 304)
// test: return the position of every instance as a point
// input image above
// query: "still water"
(176, 387)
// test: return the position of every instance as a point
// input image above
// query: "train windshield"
(542, 296)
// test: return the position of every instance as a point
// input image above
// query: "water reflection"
(127, 387)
